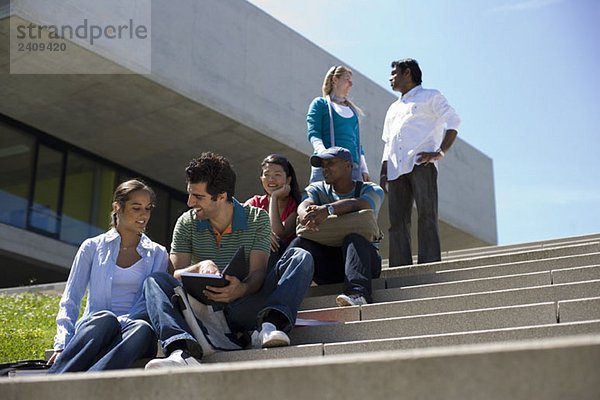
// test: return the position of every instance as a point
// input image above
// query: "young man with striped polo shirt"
(205, 238)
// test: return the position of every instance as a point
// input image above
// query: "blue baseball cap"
(328, 154)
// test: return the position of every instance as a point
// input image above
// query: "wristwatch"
(330, 209)
(441, 152)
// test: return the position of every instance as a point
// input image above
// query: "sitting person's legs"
(90, 342)
(328, 261)
(355, 264)
(362, 264)
(278, 300)
(136, 340)
(166, 318)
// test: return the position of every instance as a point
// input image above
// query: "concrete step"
(462, 338)
(558, 368)
(535, 254)
(489, 250)
(411, 342)
(443, 289)
(504, 249)
(459, 321)
(45, 288)
(579, 309)
(577, 260)
(463, 302)
(577, 274)
(337, 288)
(324, 296)
(559, 263)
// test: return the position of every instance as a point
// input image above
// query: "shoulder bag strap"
(358, 133)
(357, 189)
(331, 133)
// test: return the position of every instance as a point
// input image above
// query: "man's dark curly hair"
(214, 170)
(413, 65)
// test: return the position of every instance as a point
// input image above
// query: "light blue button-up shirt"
(92, 271)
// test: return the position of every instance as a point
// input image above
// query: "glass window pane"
(16, 160)
(105, 187)
(46, 192)
(158, 228)
(86, 200)
(177, 208)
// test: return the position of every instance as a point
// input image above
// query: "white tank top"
(343, 111)
(126, 284)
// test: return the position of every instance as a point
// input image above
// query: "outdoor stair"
(499, 322)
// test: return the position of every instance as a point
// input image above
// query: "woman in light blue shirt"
(332, 120)
(113, 331)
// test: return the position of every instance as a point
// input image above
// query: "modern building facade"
(224, 77)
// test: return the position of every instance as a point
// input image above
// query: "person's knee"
(104, 315)
(104, 319)
(356, 239)
(143, 328)
(302, 257)
(157, 280)
(299, 258)
(299, 242)
(428, 217)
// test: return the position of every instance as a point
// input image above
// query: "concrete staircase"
(503, 322)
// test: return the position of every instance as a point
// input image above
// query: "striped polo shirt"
(322, 193)
(250, 228)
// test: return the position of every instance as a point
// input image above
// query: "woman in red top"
(281, 200)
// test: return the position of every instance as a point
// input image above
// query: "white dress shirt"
(415, 123)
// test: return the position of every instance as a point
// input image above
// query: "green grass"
(27, 325)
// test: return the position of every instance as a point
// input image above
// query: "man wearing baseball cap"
(357, 261)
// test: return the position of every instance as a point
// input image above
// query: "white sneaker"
(269, 336)
(345, 300)
(176, 359)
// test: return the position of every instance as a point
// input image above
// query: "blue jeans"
(355, 263)
(420, 187)
(282, 292)
(101, 343)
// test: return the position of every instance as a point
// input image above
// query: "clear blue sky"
(523, 74)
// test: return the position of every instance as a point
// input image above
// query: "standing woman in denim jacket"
(335, 112)
(113, 331)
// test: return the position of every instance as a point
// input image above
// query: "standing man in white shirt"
(419, 129)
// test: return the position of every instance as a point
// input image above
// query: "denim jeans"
(102, 343)
(282, 292)
(355, 264)
(420, 187)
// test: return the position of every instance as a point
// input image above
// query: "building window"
(87, 198)
(16, 164)
(44, 213)
(57, 190)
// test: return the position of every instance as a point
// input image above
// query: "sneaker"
(176, 359)
(269, 336)
(345, 300)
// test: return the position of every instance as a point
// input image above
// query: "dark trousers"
(420, 187)
(355, 264)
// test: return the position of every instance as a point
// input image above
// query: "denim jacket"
(92, 270)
